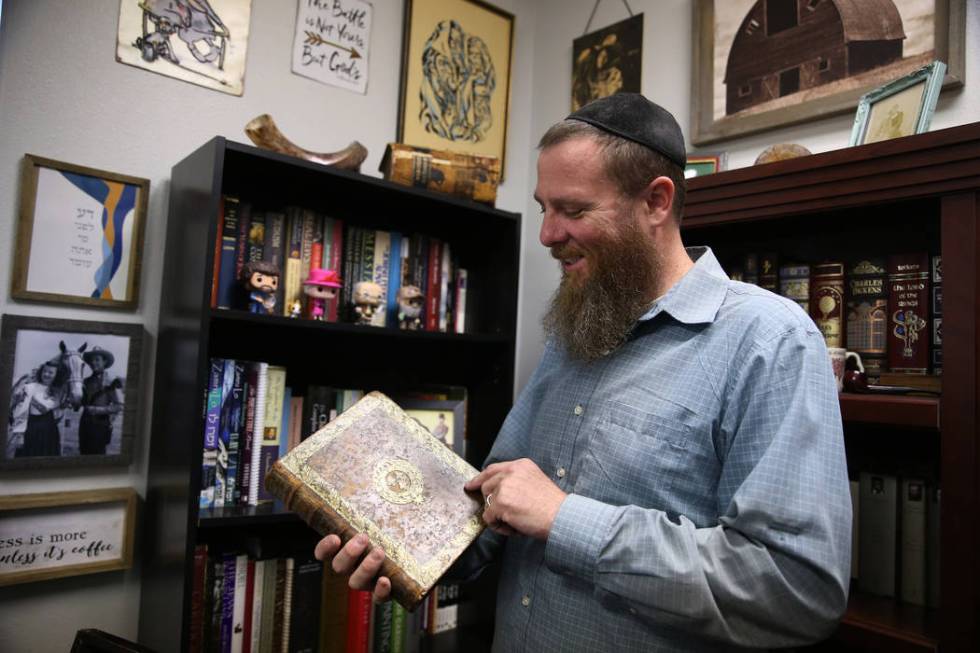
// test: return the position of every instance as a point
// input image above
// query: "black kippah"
(633, 117)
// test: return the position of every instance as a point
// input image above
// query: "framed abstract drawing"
(900, 108)
(80, 235)
(69, 392)
(59, 534)
(761, 64)
(455, 78)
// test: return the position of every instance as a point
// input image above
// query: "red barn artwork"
(786, 46)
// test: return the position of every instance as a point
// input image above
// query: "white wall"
(666, 79)
(63, 96)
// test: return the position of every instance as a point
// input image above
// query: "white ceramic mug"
(838, 360)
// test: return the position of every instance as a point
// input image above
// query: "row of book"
(244, 603)
(297, 240)
(888, 309)
(253, 417)
(895, 537)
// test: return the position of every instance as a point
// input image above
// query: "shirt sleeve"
(774, 570)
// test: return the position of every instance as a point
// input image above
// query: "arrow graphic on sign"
(312, 38)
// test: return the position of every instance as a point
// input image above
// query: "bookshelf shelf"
(486, 241)
(920, 193)
(891, 410)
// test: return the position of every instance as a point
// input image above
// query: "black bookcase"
(487, 243)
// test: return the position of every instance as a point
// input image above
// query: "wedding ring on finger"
(488, 500)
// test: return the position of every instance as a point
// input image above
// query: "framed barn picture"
(760, 64)
(455, 79)
(69, 392)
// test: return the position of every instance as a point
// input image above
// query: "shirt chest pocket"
(650, 458)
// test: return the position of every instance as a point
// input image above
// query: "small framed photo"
(900, 108)
(455, 78)
(80, 235)
(69, 392)
(704, 163)
(59, 534)
(444, 419)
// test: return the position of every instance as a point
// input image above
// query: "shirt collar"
(696, 298)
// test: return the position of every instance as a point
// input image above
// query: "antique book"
(913, 555)
(375, 470)
(769, 271)
(936, 353)
(794, 283)
(878, 533)
(827, 301)
(471, 176)
(908, 306)
(867, 314)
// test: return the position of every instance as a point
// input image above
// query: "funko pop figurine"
(295, 308)
(320, 286)
(367, 299)
(261, 279)
(410, 300)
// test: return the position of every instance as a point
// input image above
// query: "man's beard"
(594, 318)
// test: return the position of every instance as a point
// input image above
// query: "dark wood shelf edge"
(889, 620)
(895, 410)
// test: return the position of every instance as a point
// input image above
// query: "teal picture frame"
(902, 107)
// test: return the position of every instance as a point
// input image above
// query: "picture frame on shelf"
(444, 419)
(607, 61)
(69, 392)
(464, 113)
(61, 534)
(79, 236)
(830, 55)
(902, 107)
(705, 163)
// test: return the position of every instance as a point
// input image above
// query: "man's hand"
(363, 576)
(522, 499)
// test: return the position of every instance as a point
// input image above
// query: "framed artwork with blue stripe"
(80, 235)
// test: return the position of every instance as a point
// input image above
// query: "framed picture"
(455, 81)
(446, 420)
(760, 64)
(701, 164)
(607, 61)
(69, 392)
(80, 236)
(58, 534)
(900, 108)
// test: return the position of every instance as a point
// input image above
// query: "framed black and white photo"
(69, 391)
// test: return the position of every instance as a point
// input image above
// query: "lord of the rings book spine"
(867, 314)
(827, 301)
(908, 308)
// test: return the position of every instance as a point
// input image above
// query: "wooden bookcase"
(487, 242)
(911, 194)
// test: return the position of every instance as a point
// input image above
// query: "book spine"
(300, 499)
(336, 263)
(275, 232)
(750, 268)
(292, 280)
(268, 622)
(398, 624)
(258, 433)
(445, 264)
(394, 279)
(279, 619)
(272, 427)
(879, 531)
(247, 623)
(333, 618)
(932, 547)
(462, 280)
(307, 589)
(241, 587)
(228, 601)
(216, 262)
(227, 274)
(212, 425)
(432, 286)
(198, 597)
(794, 283)
(224, 432)
(908, 305)
(287, 606)
(241, 242)
(936, 353)
(258, 602)
(381, 628)
(237, 422)
(913, 556)
(316, 255)
(246, 439)
(256, 237)
(867, 314)
(379, 274)
(769, 272)
(827, 301)
(358, 622)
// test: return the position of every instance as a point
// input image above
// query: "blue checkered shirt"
(708, 504)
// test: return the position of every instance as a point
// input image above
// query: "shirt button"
(526, 600)
(579, 410)
(561, 472)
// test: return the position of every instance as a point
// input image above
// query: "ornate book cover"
(908, 305)
(867, 314)
(375, 470)
(471, 176)
(827, 301)
(794, 283)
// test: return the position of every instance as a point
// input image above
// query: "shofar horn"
(264, 133)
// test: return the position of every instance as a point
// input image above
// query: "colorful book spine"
(381, 628)
(936, 352)
(867, 314)
(272, 427)
(827, 301)
(358, 621)
(257, 435)
(432, 297)
(236, 423)
(246, 438)
(212, 426)
(335, 263)
(794, 283)
(399, 618)
(908, 305)
(256, 237)
(275, 234)
(228, 600)
(241, 244)
(445, 268)
(380, 269)
(224, 433)
(227, 275)
(394, 279)
(248, 601)
(292, 280)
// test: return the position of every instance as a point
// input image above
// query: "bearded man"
(672, 477)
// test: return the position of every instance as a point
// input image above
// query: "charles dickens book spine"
(376, 470)
(937, 315)
(867, 314)
(794, 283)
(827, 301)
(908, 307)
